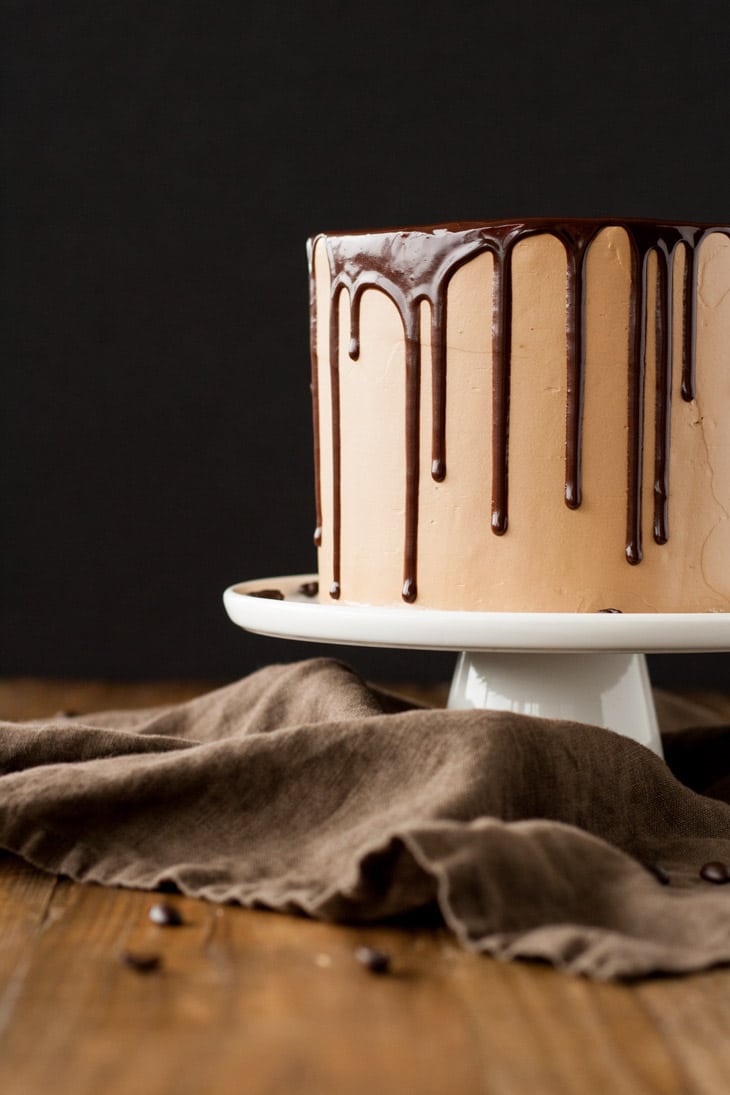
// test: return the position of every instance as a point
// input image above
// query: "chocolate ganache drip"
(416, 265)
(315, 391)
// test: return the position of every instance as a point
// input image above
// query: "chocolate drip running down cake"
(528, 416)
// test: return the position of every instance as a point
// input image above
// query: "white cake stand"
(588, 668)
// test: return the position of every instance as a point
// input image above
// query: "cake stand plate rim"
(304, 619)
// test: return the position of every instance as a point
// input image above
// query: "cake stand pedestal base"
(584, 667)
(606, 688)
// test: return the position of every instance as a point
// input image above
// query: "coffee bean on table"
(715, 872)
(376, 961)
(166, 915)
(268, 594)
(141, 961)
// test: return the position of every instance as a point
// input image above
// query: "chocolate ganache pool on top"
(566, 386)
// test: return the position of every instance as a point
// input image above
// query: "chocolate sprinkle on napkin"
(302, 789)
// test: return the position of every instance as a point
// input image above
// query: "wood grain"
(257, 1002)
(31, 698)
(38, 698)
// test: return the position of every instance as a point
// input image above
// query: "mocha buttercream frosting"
(528, 415)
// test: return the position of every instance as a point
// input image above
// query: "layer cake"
(526, 416)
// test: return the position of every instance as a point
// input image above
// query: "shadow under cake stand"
(588, 668)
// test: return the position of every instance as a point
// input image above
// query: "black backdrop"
(163, 162)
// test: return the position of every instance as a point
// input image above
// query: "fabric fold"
(302, 788)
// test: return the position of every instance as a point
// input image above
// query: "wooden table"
(257, 1002)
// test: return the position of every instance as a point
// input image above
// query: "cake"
(525, 416)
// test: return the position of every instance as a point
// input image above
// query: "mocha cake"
(528, 416)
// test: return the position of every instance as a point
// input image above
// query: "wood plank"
(276, 1004)
(541, 1030)
(242, 1000)
(25, 895)
(692, 1015)
(31, 697)
(39, 698)
(259, 1002)
(320, 1022)
(266, 1003)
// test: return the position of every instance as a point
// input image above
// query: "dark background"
(163, 163)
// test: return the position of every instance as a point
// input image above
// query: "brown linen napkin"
(301, 788)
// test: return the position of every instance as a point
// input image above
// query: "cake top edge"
(529, 223)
